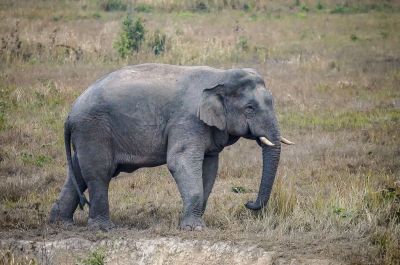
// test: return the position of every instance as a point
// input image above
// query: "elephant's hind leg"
(63, 209)
(99, 213)
(97, 170)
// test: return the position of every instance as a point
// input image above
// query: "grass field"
(332, 66)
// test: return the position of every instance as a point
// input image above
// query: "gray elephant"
(153, 114)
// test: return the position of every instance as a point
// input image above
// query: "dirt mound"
(151, 251)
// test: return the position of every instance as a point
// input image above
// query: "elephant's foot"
(58, 217)
(191, 223)
(101, 223)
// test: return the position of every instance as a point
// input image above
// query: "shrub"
(10, 258)
(353, 37)
(96, 257)
(157, 43)
(11, 45)
(243, 43)
(340, 9)
(365, 8)
(96, 15)
(131, 36)
(112, 5)
(246, 7)
(201, 7)
(304, 8)
(145, 8)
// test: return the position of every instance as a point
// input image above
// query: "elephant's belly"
(138, 141)
(129, 163)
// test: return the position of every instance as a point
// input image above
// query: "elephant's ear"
(211, 109)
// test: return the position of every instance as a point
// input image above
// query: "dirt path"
(128, 247)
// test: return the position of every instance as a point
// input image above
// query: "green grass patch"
(332, 121)
(6, 104)
(341, 212)
(97, 257)
(37, 160)
(365, 8)
(239, 189)
(353, 37)
(145, 8)
(186, 14)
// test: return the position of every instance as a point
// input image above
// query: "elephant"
(152, 114)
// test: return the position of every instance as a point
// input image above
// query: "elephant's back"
(132, 91)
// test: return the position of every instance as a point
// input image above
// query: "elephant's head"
(241, 105)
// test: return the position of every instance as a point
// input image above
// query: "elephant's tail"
(67, 140)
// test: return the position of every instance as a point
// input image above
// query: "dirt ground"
(127, 246)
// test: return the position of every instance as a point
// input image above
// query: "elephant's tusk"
(286, 141)
(266, 141)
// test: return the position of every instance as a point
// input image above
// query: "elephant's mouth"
(250, 133)
(263, 138)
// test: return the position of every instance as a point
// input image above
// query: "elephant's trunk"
(271, 155)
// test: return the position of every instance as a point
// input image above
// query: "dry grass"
(335, 76)
(8, 257)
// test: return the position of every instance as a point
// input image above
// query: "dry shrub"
(388, 244)
(8, 257)
(14, 191)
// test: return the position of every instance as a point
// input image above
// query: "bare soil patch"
(126, 246)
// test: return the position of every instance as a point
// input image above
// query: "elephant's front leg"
(185, 166)
(210, 169)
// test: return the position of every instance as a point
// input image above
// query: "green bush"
(246, 7)
(341, 9)
(362, 8)
(96, 15)
(304, 8)
(201, 7)
(113, 5)
(145, 8)
(353, 37)
(157, 43)
(96, 257)
(243, 43)
(131, 36)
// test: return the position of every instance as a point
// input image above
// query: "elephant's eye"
(249, 110)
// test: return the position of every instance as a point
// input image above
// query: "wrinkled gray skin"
(153, 114)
